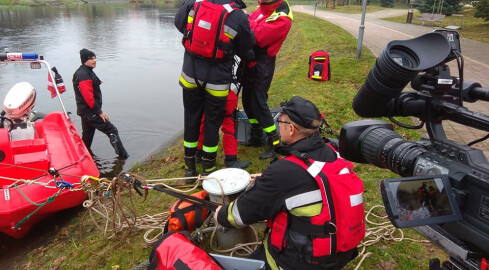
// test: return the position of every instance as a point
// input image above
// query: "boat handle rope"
(52, 171)
(49, 200)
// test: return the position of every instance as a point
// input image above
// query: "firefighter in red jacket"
(89, 104)
(288, 197)
(270, 23)
(206, 79)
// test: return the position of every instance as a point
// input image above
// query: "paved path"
(379, 32)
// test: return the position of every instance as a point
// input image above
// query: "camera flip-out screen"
(417, 201)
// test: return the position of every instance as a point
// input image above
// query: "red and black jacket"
(87, 91)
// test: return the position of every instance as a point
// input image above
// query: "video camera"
(444, 194)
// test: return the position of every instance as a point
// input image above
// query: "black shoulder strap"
(197, 201)
(302, 156)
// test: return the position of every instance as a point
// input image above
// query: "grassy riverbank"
(82, 245)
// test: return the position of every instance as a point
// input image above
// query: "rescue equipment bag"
(186, 216)
(175, 250)
(340, 224)
(319, 67)
(206, 34)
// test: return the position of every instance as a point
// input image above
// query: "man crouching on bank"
(311, 198)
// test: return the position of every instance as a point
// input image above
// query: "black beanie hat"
(85, 55)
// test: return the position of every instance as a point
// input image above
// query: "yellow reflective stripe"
(270, 129)
(217, 93)
(229, 32)
(190, 144)
(190, 19)
(307, 211)
(187, 84)
(320, 58)
(229, 36)
(275, 15)
(231, 217)
(253, 121)
(209, 149)
(271, 262)
(210, 169)
(316, 77)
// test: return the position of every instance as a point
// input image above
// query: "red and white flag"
(59, 82)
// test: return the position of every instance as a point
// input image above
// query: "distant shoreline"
(33, 3)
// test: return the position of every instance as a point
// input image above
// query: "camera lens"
(386, 149)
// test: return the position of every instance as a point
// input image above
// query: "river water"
(139, 58)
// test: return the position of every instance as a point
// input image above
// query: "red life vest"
(207, 35)
(186, 216)
(175, 251)
(340, 225)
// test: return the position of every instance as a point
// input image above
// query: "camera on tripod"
(444, 192)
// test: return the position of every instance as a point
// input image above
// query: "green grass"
(472, 28)
(80, 245)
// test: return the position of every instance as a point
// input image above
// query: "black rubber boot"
(233, 162)
(116, 142)
(190, 170)
(257, 137)
(272, 141)
(209, 166)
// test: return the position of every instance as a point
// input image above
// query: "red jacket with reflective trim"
(270, 35)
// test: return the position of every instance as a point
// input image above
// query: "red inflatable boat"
(41, 161)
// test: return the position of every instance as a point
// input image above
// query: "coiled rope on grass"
(111, 206)
(378, 230)
(112, 214)
(119, 215)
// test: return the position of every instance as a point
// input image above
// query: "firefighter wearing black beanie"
(89, 104)
(86, 54)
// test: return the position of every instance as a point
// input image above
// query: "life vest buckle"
(330, 228)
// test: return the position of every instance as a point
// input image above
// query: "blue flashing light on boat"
(18, 56)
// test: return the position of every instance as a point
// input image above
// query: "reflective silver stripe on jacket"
(303, 199)
(236, 215)
(230, 31)
(228, 8)
(216, 87)
(313, 170)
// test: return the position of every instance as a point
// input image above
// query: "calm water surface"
(139, 58)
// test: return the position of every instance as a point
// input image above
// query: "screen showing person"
(416, 201)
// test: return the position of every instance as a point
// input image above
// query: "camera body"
(458, 220)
